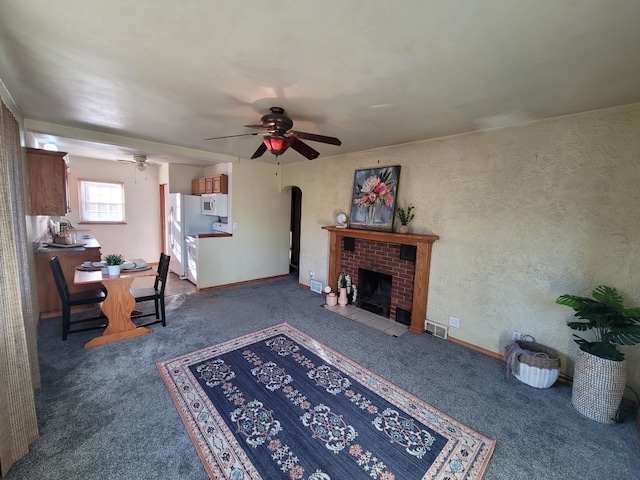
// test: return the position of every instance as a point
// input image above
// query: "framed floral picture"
(374, 198)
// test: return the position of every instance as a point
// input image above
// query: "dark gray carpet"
(104, 413)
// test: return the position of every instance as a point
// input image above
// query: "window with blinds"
(101, 202)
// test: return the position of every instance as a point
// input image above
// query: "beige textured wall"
(178, 177)
(524, 215)
(259, 247)
(142, 209)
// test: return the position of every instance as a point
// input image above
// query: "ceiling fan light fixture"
(277, 144)
(140, 162)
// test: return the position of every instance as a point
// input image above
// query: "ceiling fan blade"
(261, 127)
(260, 151)
(314, 137)
(231, 136)
(304, 149)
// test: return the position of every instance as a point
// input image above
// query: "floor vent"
(437, 329)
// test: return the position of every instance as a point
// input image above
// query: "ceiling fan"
(278, 137)
(141, 162)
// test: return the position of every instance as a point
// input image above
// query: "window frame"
(82, 203)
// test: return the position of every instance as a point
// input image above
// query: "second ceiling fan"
(141, 162)
(278, 136)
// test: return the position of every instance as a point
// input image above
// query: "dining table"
(118, 304)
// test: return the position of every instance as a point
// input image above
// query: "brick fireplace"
(382, 258)
(381, 252)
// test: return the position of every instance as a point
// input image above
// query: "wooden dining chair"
(155, 293)
(69, 300)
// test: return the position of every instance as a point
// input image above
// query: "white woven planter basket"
(540, 368)
(598, 386)
(536, 377)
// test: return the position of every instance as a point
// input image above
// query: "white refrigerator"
(184, 218)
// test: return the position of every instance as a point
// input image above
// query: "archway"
(294, 231)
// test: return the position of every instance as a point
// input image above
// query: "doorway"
(163, 218)
(294, 230)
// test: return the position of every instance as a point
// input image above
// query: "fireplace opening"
(374, 290)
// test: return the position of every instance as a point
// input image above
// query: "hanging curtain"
(19, 372)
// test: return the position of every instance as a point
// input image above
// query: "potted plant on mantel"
(601, 369)
(113, 261)
(405, 217)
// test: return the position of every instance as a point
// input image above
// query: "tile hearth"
(386, 325)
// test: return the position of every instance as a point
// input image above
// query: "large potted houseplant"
(601, 369)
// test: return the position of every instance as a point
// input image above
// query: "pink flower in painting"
(380, 189)
(374, 192)
(370, 183)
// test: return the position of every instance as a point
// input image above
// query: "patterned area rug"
(279, 404)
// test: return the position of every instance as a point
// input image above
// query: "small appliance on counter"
(219, 227)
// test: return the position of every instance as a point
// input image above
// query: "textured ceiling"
(159, 77)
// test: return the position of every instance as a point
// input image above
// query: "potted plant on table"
(601, 369)
(113, 261)
(405, 216)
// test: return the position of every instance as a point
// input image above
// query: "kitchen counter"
(83, 241)
(213, 235)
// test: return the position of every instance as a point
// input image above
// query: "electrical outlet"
(515, 336)
(311, 274)
(454, 322)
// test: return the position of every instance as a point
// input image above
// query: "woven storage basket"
(598, 386)
(541, 368)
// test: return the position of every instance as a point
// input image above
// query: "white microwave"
(214, 204)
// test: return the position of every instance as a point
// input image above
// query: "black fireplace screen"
(374, 290)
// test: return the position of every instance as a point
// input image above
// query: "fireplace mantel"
(423, 244)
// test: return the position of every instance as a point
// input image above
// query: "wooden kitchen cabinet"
(220, 184)
(208, 185)
(48, 182)
(215, 184)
